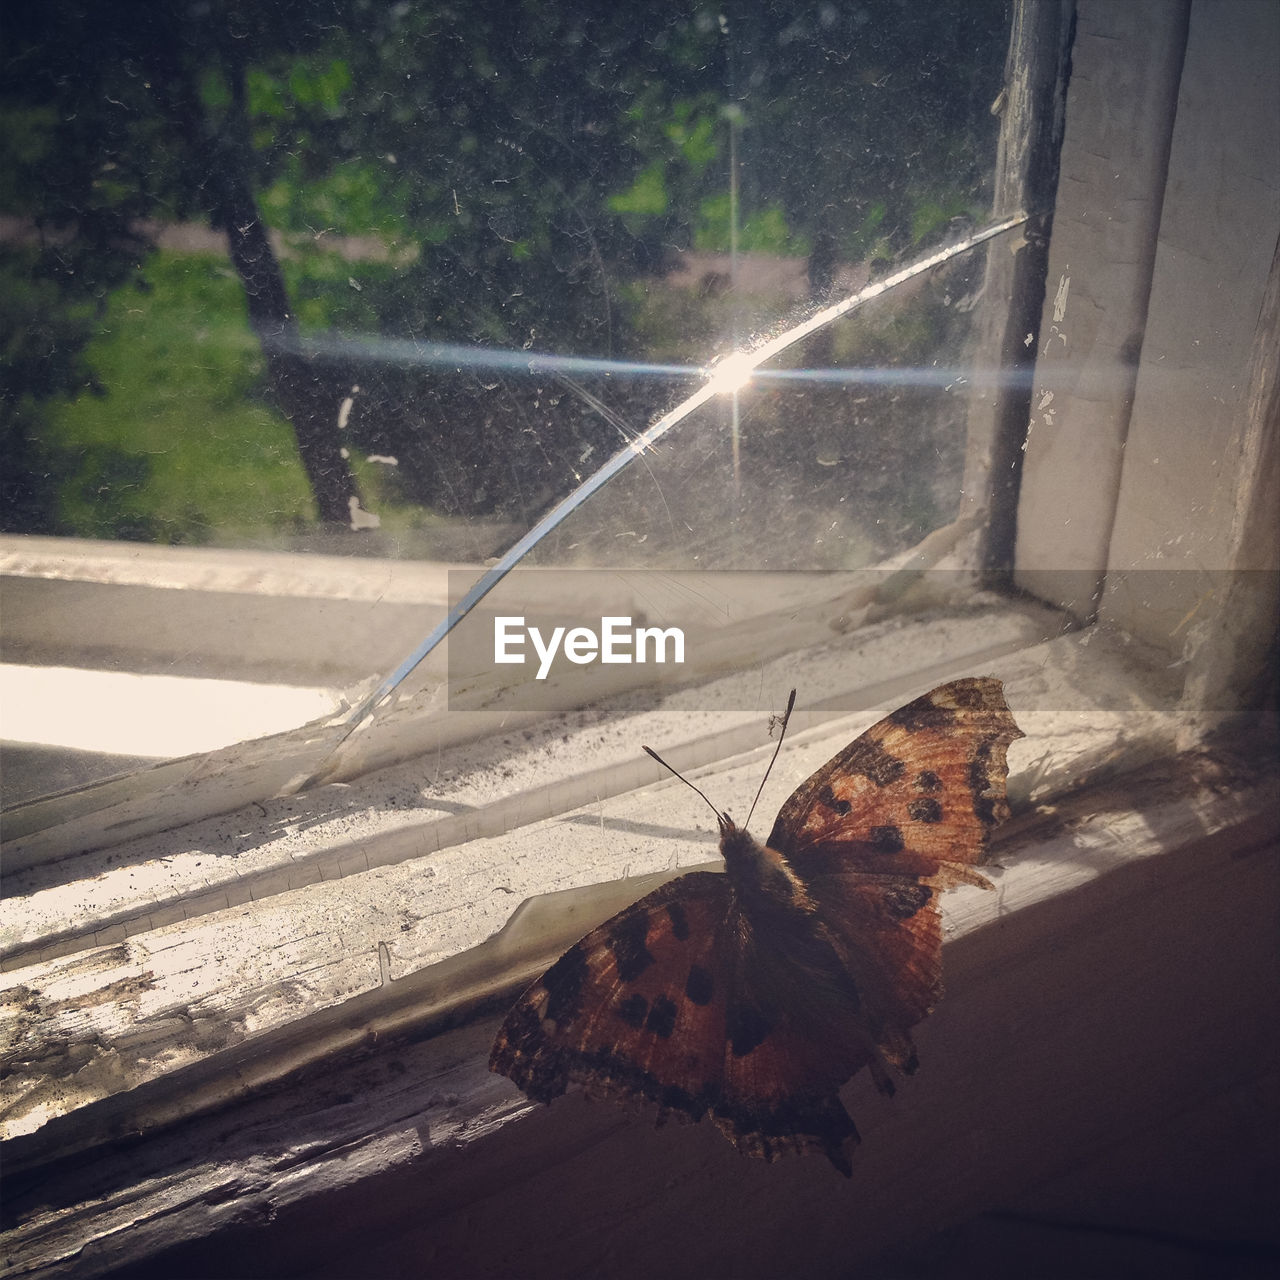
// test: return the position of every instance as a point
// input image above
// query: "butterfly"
(752, 996)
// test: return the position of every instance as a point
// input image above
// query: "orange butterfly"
(754, 995)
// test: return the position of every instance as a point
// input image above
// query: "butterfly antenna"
(782, 733)
(683, 779)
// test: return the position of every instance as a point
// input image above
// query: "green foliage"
(73, 242)
(933, 213)
(763, 231)
(352, 198)
(679, 143)
(183, 449)
(646, 197)
(519, 173)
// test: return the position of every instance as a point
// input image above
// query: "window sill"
(153, 1010)
(471, 785)
(1119, 973)
(363, 891)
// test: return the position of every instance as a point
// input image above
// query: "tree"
(496, 135)
(527, 161)
(134, 125)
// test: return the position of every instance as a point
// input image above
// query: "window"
(471, 297)
(869, 514)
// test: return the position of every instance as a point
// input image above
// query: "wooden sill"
(1123, 970)
(143, 979)
(370, 984)
(463, 790)
(326, 623)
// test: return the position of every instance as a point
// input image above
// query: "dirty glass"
(388, 280)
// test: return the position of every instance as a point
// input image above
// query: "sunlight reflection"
(552, 520)
(732, 373)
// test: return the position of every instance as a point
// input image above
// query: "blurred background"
(263, 267)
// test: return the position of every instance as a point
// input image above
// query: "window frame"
(1195, 823)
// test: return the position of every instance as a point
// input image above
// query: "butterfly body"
(755, 994)
(762, 876)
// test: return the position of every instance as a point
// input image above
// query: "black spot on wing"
(517, 1054)
(563, 982)
(662, 1017)
(978, 778)
(902, 901)
(632, 1010)
(700, 985)
(887, 839)
(679, 921)
(827, 798)
(627, 941)
(984, 806)
(927, 780)
(970, 694)
(872, 761)
(922, 714)
(925, 809)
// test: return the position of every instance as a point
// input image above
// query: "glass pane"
(387, 280)
(845, 449)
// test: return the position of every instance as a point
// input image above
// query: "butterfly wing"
(636, 1007)
(671, 1002)
(921, 788)
(676, 1001)
(904, 811)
